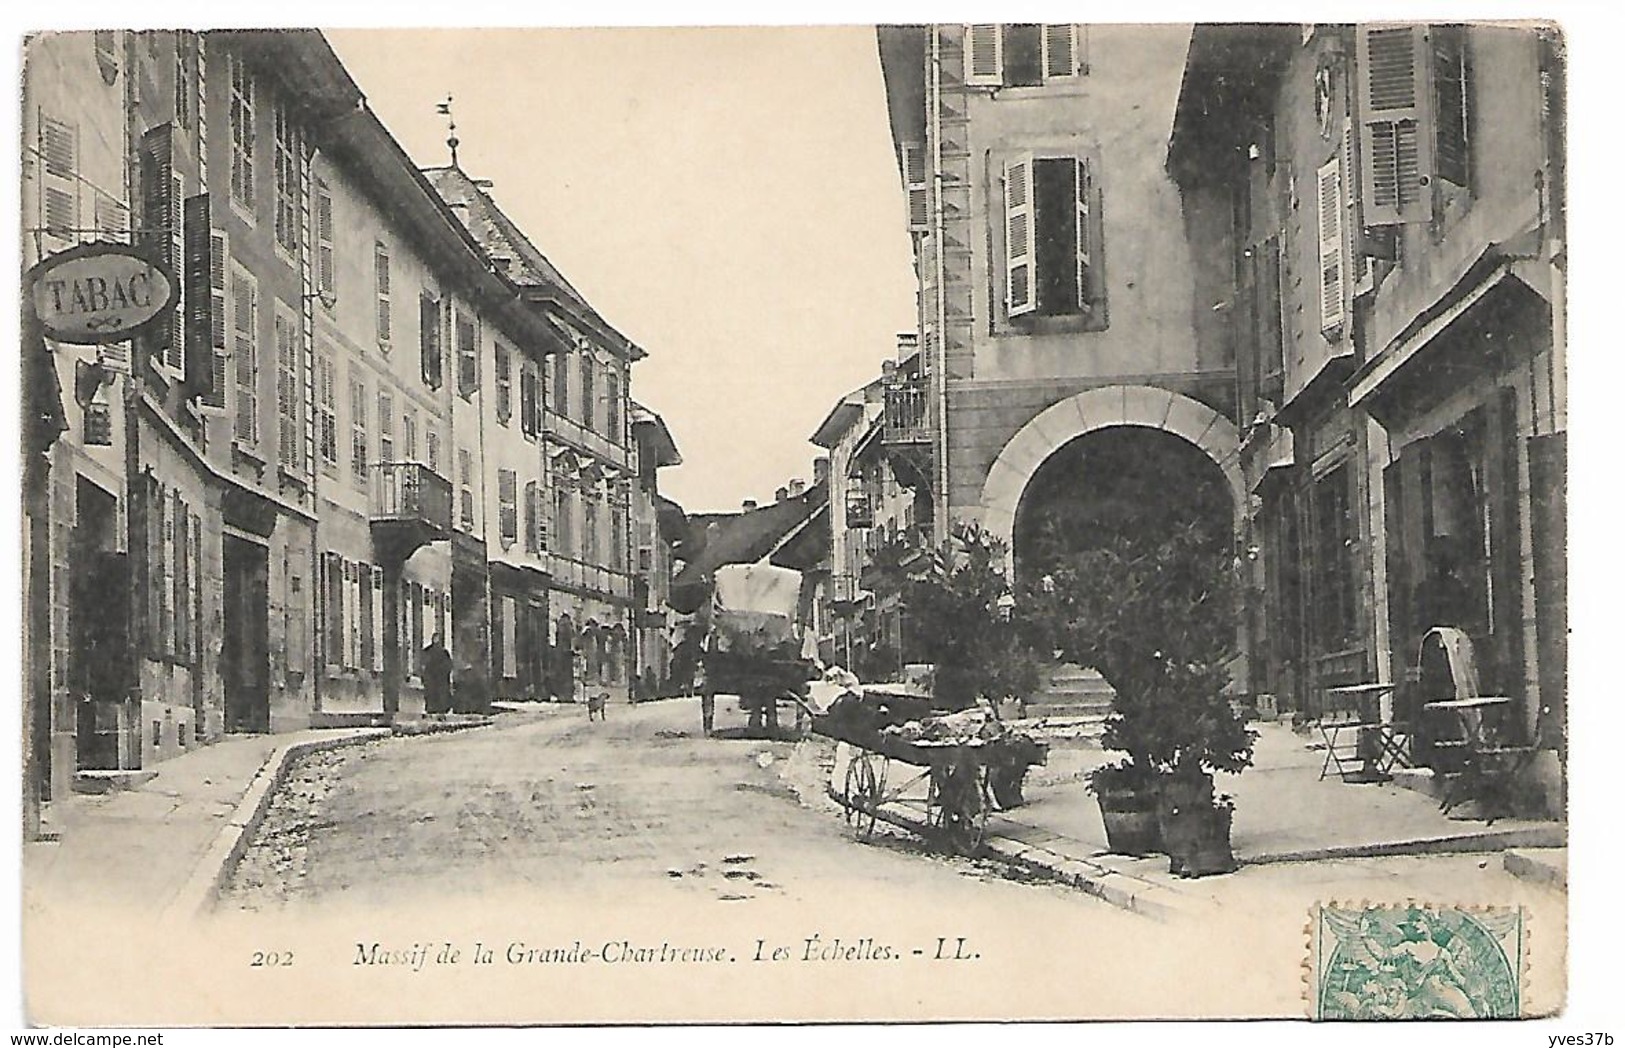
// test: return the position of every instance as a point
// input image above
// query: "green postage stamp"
(1415, 961)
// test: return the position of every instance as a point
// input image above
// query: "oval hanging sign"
(99, 293)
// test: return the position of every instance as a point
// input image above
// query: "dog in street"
(596, 705)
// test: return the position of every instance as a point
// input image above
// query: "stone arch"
(1094, 409)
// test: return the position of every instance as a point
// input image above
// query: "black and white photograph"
(828, 523)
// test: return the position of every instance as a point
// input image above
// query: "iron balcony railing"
(907, 416)
(411, 491)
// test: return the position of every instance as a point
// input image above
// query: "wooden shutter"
(377, 623)
(984, 55)
(59, 144)
(429, 339)
(1448, 53)
(1360, 275)
(1060, 51)
(381, 287)
(162, 235)
(1395, 148)
(1020, 279)
(1329, 198)
(916, 183)
(1084, 184)
(244, 324)
(290, 445)
(325, 274)
(468, 361)
(198, 296)
(213, 271)
(508, 509)
(504, 382)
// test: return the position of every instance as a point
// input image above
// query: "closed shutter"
(1329, 197)
(198, 293)
(325, 270)
(528, 408)
(245, 357)
(166, 600)
(59, 145)
(364, 617)
(916, 183)
(377, 620)
(532, 513)
(468, 360)
(1018, 236)
(507, 498)
(290, 445)
(1060, 51)
(1396, 151)
(381, 287)
(510, 637)
(504, 383)
(1085, 186)
(984, 58)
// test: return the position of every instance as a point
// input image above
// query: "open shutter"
(984, 55)
(1448, 52)
(429, 339)
(1329, 197)
(1360, 274)
(1060, 51)
(1020, 279)
(1084, 183)
(197, 293)
(245, 357)
(162, 223)
(916, 182)
(1395, 148)
(377, 624)
(218, 261)
(380, 259)
(325, 275)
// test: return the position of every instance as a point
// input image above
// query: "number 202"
(271, 959)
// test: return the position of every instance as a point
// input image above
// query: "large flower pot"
(1197, 838)
(1132, 825)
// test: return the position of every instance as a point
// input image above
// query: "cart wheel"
(863, 788)
(964, 811)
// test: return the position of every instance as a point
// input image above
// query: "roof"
(649, 426)
(1231, 72)
(525, 264)
(746, 537)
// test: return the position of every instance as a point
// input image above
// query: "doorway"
(245, 662)
(99, 666)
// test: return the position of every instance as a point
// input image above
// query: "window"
(612, 407)
(1051, 227)
(106, 41)
(561, 382)
(563, 521)
(375, 620)
(326, 277)
(508, 506)
(1268, 334)
(589, 527)
(409, 436)
(1021, 54)
(465, 488)
(1415, 87)
(617, 536)
(333, 608)
(589, 404)
(431, 450)
(468, 355)
(286, 158)
(327, 420)
(917, 184)
(245, 356)
(185, 78)
(386, 426)
(289, 395)
(429, 340)
(358, 426)
(530, 408)
(240, 115)
(504, 381)
(380, 255)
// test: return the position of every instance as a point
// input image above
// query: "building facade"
(658, 525)
(335, 449)
(1397, 244)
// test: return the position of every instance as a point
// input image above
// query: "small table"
(1376, 747)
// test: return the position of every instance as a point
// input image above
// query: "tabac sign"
(98, 293)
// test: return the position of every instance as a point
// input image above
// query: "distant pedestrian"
(436, 676)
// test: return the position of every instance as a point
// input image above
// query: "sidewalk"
(1284, 813)
(142, 847)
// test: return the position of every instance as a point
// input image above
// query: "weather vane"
(444, 109)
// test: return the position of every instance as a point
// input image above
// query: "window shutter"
(325, 275)
(1360, 274)
(1450, 98)
(504, 382)
(198, 293)
(1060, 51)
(984, 55)
(429, 339)
(1329, 195)
(219, 260)
(507, 499)
(381, 271)
(1395, 182)
(162, 232)
(377, 624)
(59, 143)
(468, 346)
(916, 182)
(244, 306)
(1018, 236)
(1085, 186)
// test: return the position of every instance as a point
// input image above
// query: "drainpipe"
(940, 526)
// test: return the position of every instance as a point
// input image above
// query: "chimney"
(781, 494)
(907, 343)
(748, 504)
(820, 469)
(796, 488)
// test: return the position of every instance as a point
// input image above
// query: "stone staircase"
(1073, 692)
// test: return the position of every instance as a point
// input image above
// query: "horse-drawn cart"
(968, 764)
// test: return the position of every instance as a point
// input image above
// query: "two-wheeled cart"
(964, 779)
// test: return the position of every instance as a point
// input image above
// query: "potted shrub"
(1154, 614)
(1128, 799)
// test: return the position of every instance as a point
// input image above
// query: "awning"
(1399, 352)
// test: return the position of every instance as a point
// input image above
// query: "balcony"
(410, 507)
(907, 417)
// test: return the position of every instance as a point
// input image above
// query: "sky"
(725, 197)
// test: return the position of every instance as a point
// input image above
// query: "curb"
(197, 896)
(1098, 881)
(1539, 866)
